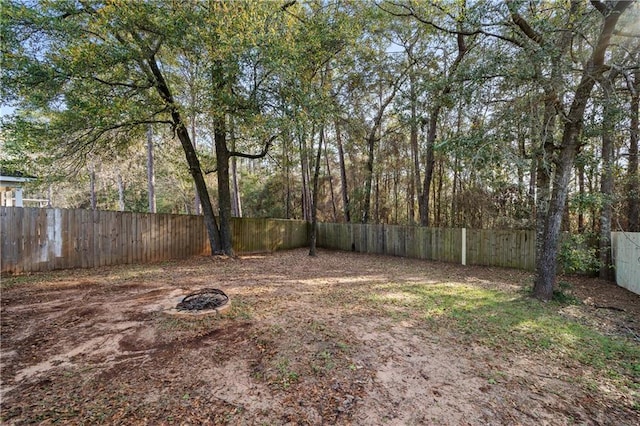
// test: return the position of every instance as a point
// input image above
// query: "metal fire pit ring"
(207, 301)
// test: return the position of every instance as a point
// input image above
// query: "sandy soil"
(296, 347)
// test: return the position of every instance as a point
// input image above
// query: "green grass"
(513, 322)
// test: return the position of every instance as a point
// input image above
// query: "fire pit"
(201, 302)
(208, 298)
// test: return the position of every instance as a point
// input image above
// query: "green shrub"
(577, 256)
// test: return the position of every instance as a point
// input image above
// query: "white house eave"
(13, 180)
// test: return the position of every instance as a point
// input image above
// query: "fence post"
(464, 246)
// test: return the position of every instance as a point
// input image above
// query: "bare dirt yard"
(342, 338)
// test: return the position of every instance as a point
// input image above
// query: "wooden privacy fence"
(34, 239)
(509, 248)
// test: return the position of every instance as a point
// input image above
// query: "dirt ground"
(295, 347)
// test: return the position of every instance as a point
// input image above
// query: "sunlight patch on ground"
(398, 297)
(344, 280)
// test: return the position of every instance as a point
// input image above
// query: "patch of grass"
(7, 282)
(327, 363)
(286, 377)
(514, 321)
(240, 309)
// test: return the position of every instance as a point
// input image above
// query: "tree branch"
(262, 153)
(525, 27)
(409, 12)
(601, 7)
(120, 84)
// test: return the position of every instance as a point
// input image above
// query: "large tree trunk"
(570, 145)
(224, 194)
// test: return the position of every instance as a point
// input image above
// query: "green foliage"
(577, 255)
(263, 197)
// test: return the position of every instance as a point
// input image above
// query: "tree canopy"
(516, 114)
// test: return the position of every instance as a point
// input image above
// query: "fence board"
(508, 248)
(36, 239)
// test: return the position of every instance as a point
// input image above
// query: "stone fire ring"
(174, 311)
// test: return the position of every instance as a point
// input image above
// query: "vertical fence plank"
(6, 239)
(22, 249)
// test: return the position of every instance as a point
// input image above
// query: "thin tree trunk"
(333, 199)
(151, 175)
(531, 195)
(371, 139)
(343, 175)
(120, 192)
(236, 205)
(432, 131)
(415, 151)
(396, 197)
(633, 178)
(314, 205)
(454, 207)
(196, 199)
(439, 193)
(306, 190)
(191, 156)
(287, 180)
(606, 184)
(429, 165)
(236, 202)
(581, 194)
(92, 186)
(376, 209)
